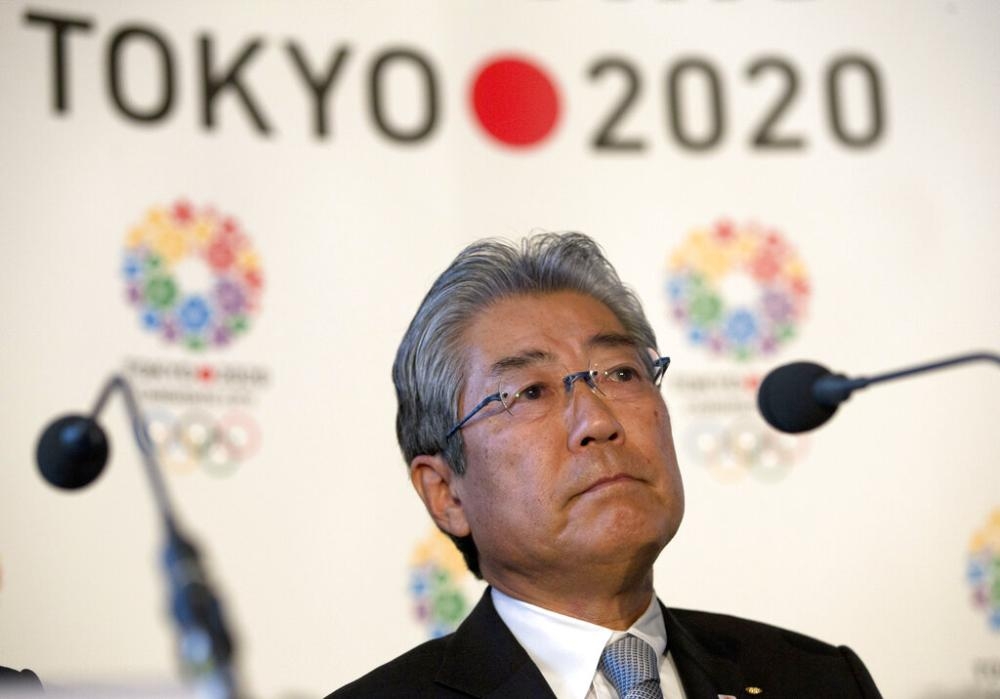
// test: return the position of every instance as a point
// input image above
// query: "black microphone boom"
(801, 396)
(71, 454)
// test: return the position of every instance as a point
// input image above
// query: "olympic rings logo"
(732, 449)
(196, 438)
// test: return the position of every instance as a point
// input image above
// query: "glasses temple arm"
(493, 397)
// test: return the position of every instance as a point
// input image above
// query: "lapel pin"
(754, 690)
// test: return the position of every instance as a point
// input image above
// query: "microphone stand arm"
(834, 389)
(142, 440)
(206, 647)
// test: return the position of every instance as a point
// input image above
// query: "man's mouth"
(609, 482)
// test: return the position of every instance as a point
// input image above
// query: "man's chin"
(625, 513)
(627, 544)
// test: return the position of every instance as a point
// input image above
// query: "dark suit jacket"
(715, 655)
(23, 681)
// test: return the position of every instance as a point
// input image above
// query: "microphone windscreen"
(786, 398)
(72, 452)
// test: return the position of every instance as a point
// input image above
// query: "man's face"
(591, 484)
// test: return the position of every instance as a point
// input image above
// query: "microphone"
(72, 452)
(801, 396)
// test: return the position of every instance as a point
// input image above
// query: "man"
(537, 438)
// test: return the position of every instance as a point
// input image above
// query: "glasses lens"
(532, 391)
(529, 392)
(622, 375)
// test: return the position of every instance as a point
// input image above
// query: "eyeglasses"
(531, 390)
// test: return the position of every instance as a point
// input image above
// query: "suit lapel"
(483, 659)
(704, 671)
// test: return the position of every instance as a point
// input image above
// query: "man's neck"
(613, 606)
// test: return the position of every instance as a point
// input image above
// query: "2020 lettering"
(694, 93)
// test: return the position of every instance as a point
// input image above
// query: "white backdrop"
(861, 533)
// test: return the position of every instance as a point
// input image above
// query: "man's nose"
(592, 418)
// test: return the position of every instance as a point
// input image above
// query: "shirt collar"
(567, 650)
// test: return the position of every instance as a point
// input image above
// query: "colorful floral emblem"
(167, 239)
(438, 584)
(983, 572)
(772, 302)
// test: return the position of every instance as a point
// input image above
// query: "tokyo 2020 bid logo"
(199, 414)
(740, 292)
(983, 572)
(193, 275)
(440, 584)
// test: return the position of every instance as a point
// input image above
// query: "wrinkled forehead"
(560, 327)
(600, 348)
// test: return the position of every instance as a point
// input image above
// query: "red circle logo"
(515, 101)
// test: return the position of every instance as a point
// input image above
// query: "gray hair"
(429, 368)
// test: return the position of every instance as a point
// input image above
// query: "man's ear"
(432, 479)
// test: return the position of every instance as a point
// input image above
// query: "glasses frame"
(660, 365)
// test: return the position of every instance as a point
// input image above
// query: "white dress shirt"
(567, 650)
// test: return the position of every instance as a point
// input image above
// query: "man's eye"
(532, 392)
(623, 374)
